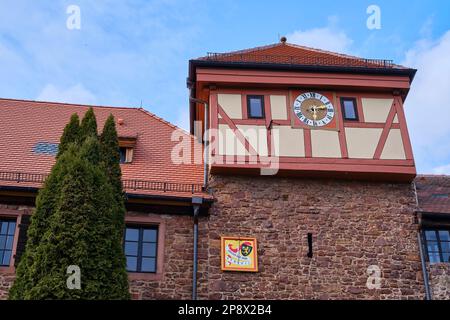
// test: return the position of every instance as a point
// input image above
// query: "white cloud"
(427, 106)
(75, 94)
(125, 52)
(327, 38)
(445, 169)
(182, 120)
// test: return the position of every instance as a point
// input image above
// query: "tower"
(305, 111)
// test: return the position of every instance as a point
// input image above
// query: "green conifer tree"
(71, 134)
(110, 159)
(76, 223)
(88, 125)
(79, 232)
(45, 207)
(110, 154)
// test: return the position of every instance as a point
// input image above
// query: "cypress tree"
(110, 154)
(76, 222)
(88, 125)
(110, 159)
(45, 207)
(71, 134)
(79, 232)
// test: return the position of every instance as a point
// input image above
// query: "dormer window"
(126, 155)
(126, 149)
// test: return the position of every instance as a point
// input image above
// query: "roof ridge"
(342, 55)
(105, 107)
(69, 103)
(268, 46)
(173, 126)
(293, 45)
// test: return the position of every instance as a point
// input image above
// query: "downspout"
(205, 138)
(424, 267)
(422, 254)
(206, 157)
(196, 201)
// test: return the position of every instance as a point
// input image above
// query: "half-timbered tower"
(309, 155)
(316, 113)
(307, 188)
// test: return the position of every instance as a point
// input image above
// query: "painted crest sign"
(239, 254)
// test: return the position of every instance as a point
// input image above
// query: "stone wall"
(354, 225)
(6, 281)
(176, 280)
(7, 277)
(439, 276)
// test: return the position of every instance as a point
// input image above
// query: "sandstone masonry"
(354, 225)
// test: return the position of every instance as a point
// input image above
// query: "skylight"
(46, 148)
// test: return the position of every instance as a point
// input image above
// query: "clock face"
(313, 109)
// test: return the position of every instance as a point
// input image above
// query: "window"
(349, 109)
(123, 154)
(440, 195)
(255, 106)
(126, 155)
(126, 149)
(141, 248)
(7, 230)
(438, 245)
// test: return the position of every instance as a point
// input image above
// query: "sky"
(135, 52)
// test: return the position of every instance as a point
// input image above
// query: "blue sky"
(131, 51)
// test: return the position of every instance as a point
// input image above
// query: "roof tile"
(288, 53)
(433, 193)
(28, 126)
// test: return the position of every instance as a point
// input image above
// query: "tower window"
(255, 107)
(349, 108)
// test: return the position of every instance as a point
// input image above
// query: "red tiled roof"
(433, 192)
(23, 124)
(287, 53)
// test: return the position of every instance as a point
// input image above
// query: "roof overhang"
(433, 219)
(394, 174)
(308, 68)
(155, 203)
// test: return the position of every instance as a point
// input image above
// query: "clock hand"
(312, 108)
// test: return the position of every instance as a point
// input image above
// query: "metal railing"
(22, 177)
(130, 184)
(296, 60)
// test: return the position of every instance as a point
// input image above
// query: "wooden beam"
(237, 132)
(385, 132)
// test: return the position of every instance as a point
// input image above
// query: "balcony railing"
(129, 184)
(296, 60)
